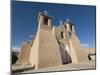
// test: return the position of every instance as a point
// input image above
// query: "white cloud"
(31, 36)
(86, 45)
(15, 49)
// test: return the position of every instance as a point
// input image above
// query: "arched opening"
(45, 21)
(62, 35)
(65, 27)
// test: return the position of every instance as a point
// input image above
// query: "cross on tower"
(60, 22)
(45, 12)
(67, 20)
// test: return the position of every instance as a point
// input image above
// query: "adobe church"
(53, 46)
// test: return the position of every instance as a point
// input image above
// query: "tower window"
(69, 33)
(62, 35)
(45, 20)
(65, 26)
(71, 27)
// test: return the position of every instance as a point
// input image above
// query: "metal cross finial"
(45, 12)
(67, 19)
(39, 13)
(60, 22)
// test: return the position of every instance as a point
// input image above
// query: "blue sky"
(24, 20)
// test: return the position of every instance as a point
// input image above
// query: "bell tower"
(45, 50)
(77, 51)
(44, 21)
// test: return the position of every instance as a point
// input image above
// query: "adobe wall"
(24, 54)
(45, 49)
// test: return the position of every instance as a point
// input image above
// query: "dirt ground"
(66, 67)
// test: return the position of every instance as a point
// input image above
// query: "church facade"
(53, 46)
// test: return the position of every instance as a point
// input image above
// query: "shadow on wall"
(14, 57)
(64, 54)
